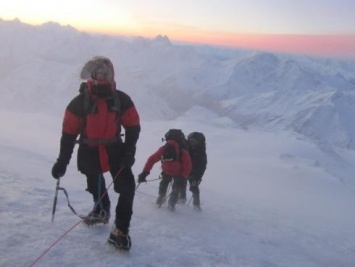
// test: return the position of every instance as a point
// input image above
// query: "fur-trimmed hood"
(98, 65)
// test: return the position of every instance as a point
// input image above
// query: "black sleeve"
(131, 138)
(67, 143)
(130, 122)
(199, 166)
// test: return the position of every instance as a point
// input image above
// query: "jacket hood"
(98, 68)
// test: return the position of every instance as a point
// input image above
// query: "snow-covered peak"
(162, 40)
(257, 90)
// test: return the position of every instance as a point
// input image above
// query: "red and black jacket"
(178, 168)
(99, 123)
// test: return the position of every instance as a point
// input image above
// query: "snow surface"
(274, 193)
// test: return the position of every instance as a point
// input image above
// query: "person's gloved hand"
(58, 170)
(128, 160)
(142, 176)
(194, 181)
(194, 184)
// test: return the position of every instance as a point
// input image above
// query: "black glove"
(194, 182)
(58, 170)
(128, 160)
(142, 176)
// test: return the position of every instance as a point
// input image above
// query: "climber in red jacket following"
(175, 165)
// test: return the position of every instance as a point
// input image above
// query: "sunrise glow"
(289, 26)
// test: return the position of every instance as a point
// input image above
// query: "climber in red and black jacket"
(175, 164)
(97, 115)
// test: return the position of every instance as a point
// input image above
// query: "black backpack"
(169, 151)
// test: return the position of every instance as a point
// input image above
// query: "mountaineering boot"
(172, 202)
(182, 200)
(98, 215)
(196, 201)
(160, 200)
(197, 208)
(171, 207)
(119, 240)
(182, 197)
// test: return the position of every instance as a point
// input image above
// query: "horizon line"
(340, 46)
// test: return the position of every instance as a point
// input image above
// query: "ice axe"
(55, 198)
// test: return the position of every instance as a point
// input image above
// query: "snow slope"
(268, 200)
(274, 193)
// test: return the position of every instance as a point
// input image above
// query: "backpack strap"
(87, 101)
(117, 103)
(179, 151)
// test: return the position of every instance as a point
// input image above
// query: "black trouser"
(194, 188)
(125, 186)
(97, 187)
(164, 183)
(183, 191)
(124, 183)
(177, 187)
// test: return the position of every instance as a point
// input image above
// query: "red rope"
(75, 225)
(54, 243)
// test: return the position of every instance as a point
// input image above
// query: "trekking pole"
(55, 198)
(170, 185)
(188, 203)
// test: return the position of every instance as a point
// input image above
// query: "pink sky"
(342, 46)
(322, 27)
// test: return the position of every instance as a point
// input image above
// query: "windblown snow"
(279, 187)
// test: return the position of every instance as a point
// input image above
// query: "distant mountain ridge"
(314, 97)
